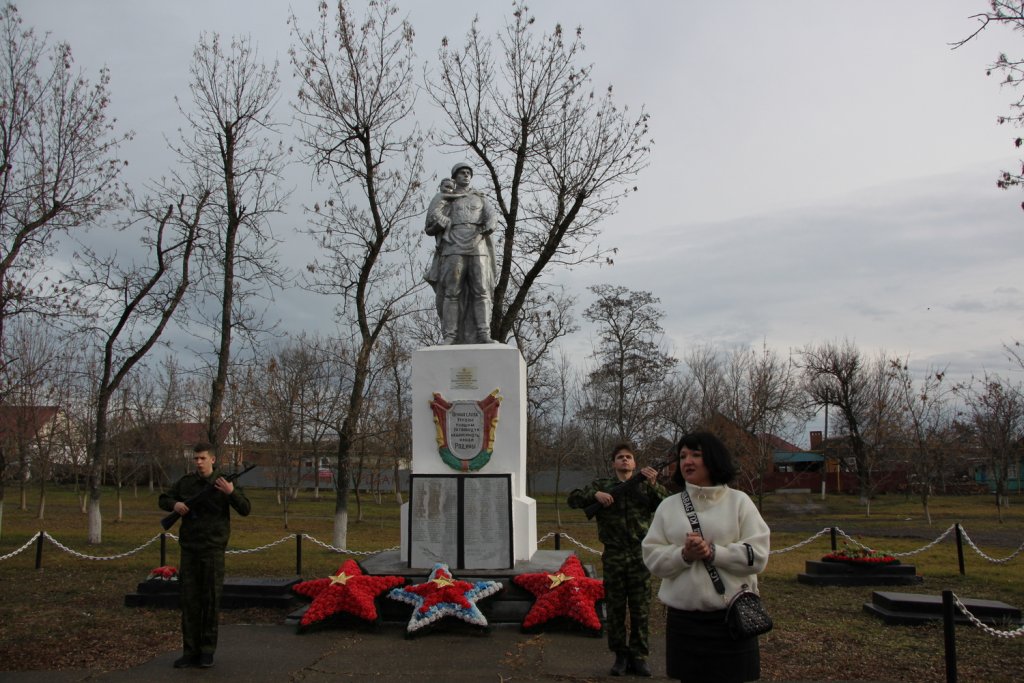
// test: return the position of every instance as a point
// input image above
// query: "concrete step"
(239, 593)
(820, 573)
(915, 608)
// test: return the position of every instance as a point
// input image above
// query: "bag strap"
(691, 515)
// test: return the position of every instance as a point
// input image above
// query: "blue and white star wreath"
(441, 595)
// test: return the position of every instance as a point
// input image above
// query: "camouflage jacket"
(207, 526)
(622, 525)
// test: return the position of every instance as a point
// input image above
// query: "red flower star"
(348, 591)
(569, 592)
(442, 588)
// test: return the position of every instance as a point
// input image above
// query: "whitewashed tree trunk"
(340, 539)
(95, 522)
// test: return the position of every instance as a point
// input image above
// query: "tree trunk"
(396, 487)
(227, 293)
(98, 466)
(341, 489)
(340, 538)
(95, 520)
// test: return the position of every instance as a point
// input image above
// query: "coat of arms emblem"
(465, 430)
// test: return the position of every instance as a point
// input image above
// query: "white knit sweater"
(728, 518)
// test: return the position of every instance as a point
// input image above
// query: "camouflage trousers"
(627, 592)
(201, 576)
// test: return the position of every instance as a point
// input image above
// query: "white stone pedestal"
(471, 372)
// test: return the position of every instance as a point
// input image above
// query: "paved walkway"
(277, 654)
(258, 654)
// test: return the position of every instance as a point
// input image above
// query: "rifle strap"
(691, 515)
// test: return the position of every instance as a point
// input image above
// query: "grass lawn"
(70, 614)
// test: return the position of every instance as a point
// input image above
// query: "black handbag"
(745, 615)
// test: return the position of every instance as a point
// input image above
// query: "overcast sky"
(821, 169)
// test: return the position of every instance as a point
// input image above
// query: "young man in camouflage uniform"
(622, 523)
(203, 537)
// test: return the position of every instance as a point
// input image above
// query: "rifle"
(633, 481)
(169, 521)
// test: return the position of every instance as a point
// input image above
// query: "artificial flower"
(441, 595)
(569, 592)
(859, 555)
(347, 591)
(165, 573)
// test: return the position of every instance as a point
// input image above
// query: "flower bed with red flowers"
(860, 556)
(165, 573)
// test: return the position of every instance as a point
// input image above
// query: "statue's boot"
(482, 313)
(450, 321)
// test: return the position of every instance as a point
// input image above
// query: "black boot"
(640, 667)
(620, 665)
(186, 661)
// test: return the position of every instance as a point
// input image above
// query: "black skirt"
(698, 649)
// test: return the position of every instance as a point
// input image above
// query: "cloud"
(927, 267)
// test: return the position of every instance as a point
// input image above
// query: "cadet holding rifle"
(205, 528)
(622, 521)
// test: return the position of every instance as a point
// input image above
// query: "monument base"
(469, 419)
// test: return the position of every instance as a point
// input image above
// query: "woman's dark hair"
(714, 453)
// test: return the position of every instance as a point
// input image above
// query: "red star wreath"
(569, 592)
(348, 591)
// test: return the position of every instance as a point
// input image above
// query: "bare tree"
(626, 385)
(839, 375)
(763, 396)
(556, 439)
(995, 408)
(397, 419)
(58, 169)
(356, 104)
(30, 411)
(927, 422)
(284, 393)
(682, 404)
(542, 321)
(133, 306)
(706, 369)
(229, 146)
(559, 155)
(1009, 13)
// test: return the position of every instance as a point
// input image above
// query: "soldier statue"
(463, 269)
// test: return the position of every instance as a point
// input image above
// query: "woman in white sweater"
(735, 542)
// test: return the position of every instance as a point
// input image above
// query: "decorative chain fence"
(1014, 633)
(950, 600)
(835, 532)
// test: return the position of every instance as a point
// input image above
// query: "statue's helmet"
(462, 164)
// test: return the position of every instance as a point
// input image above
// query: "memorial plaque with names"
(487, 537)
(433, 520)
(464, 521)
